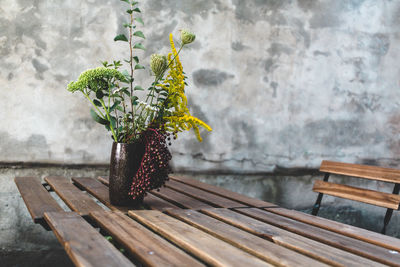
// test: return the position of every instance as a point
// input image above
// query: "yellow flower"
(179, 118)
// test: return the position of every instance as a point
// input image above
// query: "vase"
(124, 163)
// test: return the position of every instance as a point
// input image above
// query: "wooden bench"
(381, 199)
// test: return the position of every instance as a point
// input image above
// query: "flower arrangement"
(153, 120)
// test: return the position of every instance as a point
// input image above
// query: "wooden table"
(189, 223)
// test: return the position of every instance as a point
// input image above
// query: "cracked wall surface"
(282, 83)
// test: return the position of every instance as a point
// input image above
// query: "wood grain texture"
(76, 200)
(209, 198)
(180, 199)
(149, 248)
(361, 171)
(154, 202)
(204, 246)
(104, 180)
(341, 228)
(301, 244)
(252, 202)
(36, 197)
(351, 245)
(376, 198)
(83, 244)
(252, 244)
(98, 190)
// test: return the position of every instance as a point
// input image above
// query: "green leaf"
(126, 1)
(135, 100)
(139, 34)
(136, 10)
(136, 59)
(120, 108)
(97, 102)
(129, 11)
(134, 3)
(97, 118)
(116, 103)
(139, 67)
(139, 46)
(127, 25)
(99, 94)
(138, 88)
(121, 37)
(113, 122)
(139, 20)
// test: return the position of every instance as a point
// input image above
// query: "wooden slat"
(156, 203)
(252, 202)
(353, 193)
(149, 248)
(254, 245)
(306, 246)
(206, 247)
(104, 180)
(180, 199)
(196, 199)
(75, 199)
(210, 198)
(84, 245)
(36, 198)
(341, 228)
(100, 191)
(362, 171)
(351, 245)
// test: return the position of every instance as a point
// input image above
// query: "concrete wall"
(283, 83)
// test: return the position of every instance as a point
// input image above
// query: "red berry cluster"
(154, 168)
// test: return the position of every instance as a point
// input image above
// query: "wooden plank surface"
(341, 228)
(36, 197)
(180, 199)
(104, 180)
(362, 171)
(204, 246)
(83, 244)
(76, 200)
(252, 202)
(254, 245)
(100, 191)
(351, 245)
(210, 198)
(381, 199)
(306, 246)
(149, 248)
(156, 203)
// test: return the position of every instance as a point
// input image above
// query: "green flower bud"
(158, 64)
(187, 37)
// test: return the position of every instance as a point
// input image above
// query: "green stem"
(131, 65)
(158, 78)
(109, 119)
(98, 110)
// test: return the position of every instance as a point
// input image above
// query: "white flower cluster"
(147, 107)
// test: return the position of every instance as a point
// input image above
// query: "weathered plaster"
(283, 83)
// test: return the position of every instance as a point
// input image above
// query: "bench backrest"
(361, 171)
(387, 200)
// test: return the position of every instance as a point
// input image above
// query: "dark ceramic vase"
(124, 163)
